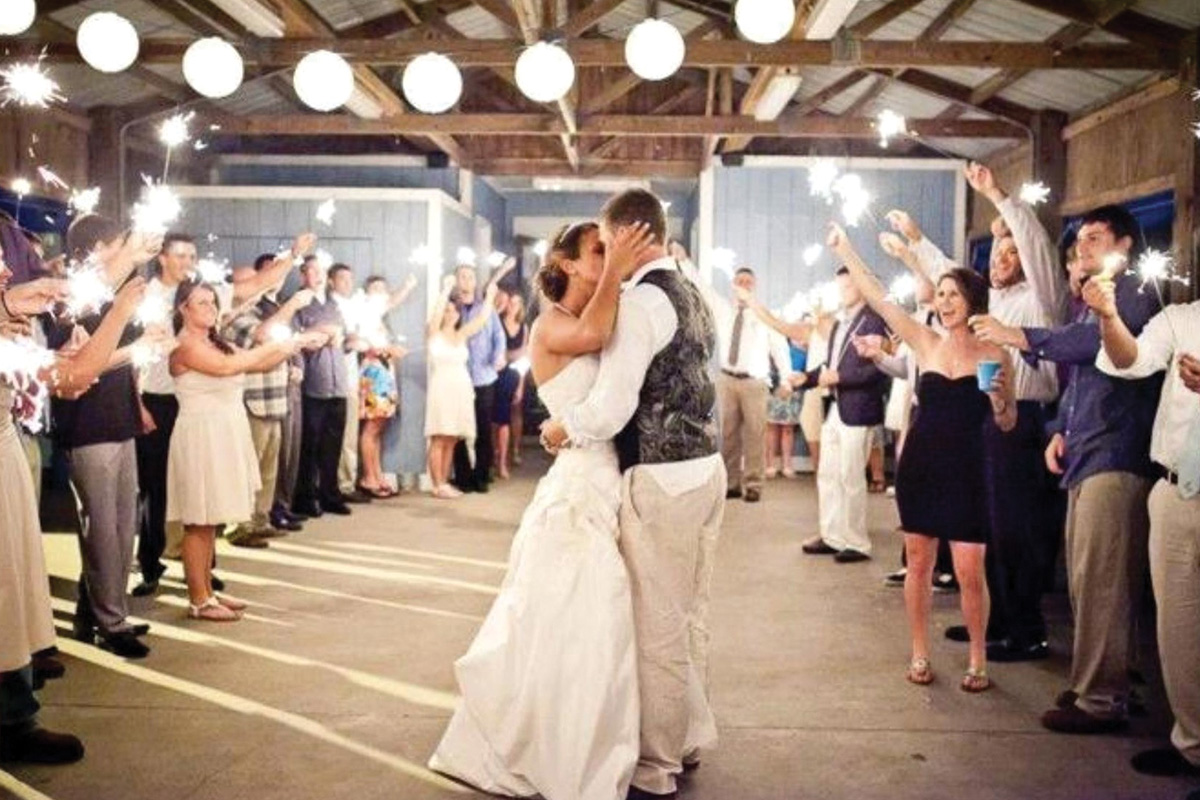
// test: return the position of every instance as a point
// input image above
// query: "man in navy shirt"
(1100, 445)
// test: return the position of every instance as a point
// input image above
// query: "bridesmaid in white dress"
(212, 470)
(549, 685)
(26, 615)
(450, 398)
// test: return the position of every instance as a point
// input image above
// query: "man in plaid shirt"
(266, 399)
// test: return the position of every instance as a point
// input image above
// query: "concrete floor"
(339, 683)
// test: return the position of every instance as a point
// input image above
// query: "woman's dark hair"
(551, 278)
(89, 230)
(182, 294)
(972, 286)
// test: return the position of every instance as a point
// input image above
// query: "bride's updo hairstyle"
(552, 278)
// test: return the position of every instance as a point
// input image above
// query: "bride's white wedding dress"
(549, 685)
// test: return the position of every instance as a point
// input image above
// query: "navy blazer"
(861, 392)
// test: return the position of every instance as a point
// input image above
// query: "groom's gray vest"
(675, 418)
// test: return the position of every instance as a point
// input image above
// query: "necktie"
(735, 341)
(1189, 461)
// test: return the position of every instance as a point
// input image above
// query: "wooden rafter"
(502, 11)
(592, 14)
(870, 95)
(605, 148)
(885, 54)
(396, 22)
(1130, 25)
(202, 16)
(877, 19)
(942, 22)
(605, 125)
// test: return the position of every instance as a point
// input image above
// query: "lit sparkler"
(1034, 193)
(158, 210)
(325, 212)
(890, 124)
(174, 130)
(496, 259)
(811, 254)
(84, 201)
(855, 199)
(425, 256)
(199, 145)
(1111, 263)
(153, 310)
(796, 308)
(723, 259)
(825, 297)
(521, 365)
(28, 85)
(540, 248)
(903, 288)
(278, 333)
(22, 187)
(142, 355)
(465, 255)
(210, 270)
(821, 176)
(87, 290)
(324, 259)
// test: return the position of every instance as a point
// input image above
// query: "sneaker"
(896, 578)
(944, 582)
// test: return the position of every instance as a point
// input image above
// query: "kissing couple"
(588, 679)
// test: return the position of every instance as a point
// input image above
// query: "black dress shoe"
(218, 584)
(1008, 652)
(958, 633)
(1066, 699)
(1164, 762)
(285, 523)
(125, 644)
(40, 746)
(357, 497)
(47, 668)
(641, 794)
(1074, 719)
(309, 509)
(731, 494)
(145, 588)
(818, 547)
(341, 509)
(753, 495)
(141, 629)
(849, 556)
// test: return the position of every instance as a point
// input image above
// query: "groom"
(655, 397)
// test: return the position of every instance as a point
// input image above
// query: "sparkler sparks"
(855, 199)
(798, 307)
(325, 212)
(903, 288)
(1034, 193)
(496, 259)
(821, 176)
(211, 270)
(723, 259)
(890, 124)
(143, 355)
(28, 85)
(158, 210)
(521, 365)
(84, 201)
(1155, 267)
(22, 187)
(1111, 263)
(324, 260)
(153, 310)
(87, 291)
(424, 256)
(825, 297)
(465, 255)
(174, 130)
(541, 248)
(278, 332)
(811, 254)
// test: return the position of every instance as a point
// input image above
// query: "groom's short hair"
(633, 206)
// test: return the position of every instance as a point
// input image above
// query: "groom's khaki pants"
(669, 543)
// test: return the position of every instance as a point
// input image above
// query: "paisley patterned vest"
(675, 418)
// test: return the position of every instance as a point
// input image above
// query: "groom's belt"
(741, 376)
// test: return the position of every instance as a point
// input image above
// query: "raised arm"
(273, 274)
(283, 315)
(562, 334)
(192, 354)
(480, 320)
(72, 375)
(796, 331)
(1124, 354)
(918, 337)
(397, 298)
(894, 247)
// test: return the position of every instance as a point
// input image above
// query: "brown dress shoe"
(1073, 719)
(818, 547)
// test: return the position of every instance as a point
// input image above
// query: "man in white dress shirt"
(745, 347)
(655, 398)
(1171, 342)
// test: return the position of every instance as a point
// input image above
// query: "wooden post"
(103, 159)
(1049, 165)
(1186, 233)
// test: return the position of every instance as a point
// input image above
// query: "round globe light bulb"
(545, 72)
(108, 42)
(17, 17)
(765, 21)
(654, 50)
(323, 80)
(432, 83)
(213, 67)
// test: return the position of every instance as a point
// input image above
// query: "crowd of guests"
(1047, 407)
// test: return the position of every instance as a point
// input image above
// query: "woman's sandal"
(213, 611)
(975, 681)
(232, 603)
(919, 672)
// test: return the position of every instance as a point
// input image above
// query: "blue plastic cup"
(986, 372)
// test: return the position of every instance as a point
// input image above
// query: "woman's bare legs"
(921, 552)
(787, 448)
(771, 447)
(968, 568)
(199, 542)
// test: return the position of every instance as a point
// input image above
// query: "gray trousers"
(105, 481)
(1107, 554)
(289, 448)
(669, 542)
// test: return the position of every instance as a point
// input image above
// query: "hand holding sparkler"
(983, 180)
(144, 246)
(304, 244)
(836, 241)
(1100, 295)
(893, 245)
(989, 329)
(129, 298)
(32, 298)
(1189, 371)
(903, 223)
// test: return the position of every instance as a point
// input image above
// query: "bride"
(549, 685)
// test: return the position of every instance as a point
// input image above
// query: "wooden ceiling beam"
(565, 105)
(396, 22)
(961, 94)
(595, 11)
(202, 16)
(869, 96)
(884, 54)
(603, 125)
(942, 22)
(604, 149)
(1130, 25)
(877, 19)
(1068, 36)
(503, 12)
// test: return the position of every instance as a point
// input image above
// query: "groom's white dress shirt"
(646, 323)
